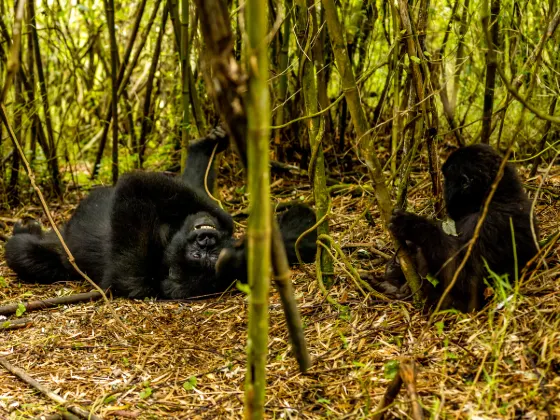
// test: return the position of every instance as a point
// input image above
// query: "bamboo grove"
(354, 94)
(421, 72)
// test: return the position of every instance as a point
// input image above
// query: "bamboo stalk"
(14, 56)
(490, 17)
(227, 84)
(124, 76)
(367, 150)
(197, 114)
(315, 127)
(185, 81)
(110, 12)
(283, 81)
(52, 157)
(259, 225)
(148, 109)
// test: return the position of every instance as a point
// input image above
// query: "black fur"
(151, 235)
(293, 223)
(469, 173)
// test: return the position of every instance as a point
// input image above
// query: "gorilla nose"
(206, 239)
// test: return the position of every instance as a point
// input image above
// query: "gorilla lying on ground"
(469, 174)
(152, 235)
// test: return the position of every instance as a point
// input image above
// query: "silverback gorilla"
(151, 235)
(469, 173)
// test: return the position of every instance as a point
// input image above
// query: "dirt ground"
(187, 359)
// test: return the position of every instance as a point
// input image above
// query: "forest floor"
(187, 359)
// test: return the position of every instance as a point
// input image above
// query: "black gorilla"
(152, 235)
(469, 173)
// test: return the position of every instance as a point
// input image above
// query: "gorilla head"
(201, 239)
(469, 173)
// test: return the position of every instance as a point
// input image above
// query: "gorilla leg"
(293, 223)
(37, 258)
(232, 263)
(199, 154)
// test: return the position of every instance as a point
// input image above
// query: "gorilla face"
(200, 240)
(191, 258)
(469, 173)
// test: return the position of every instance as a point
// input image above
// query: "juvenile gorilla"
(469, 174)
(152, 235)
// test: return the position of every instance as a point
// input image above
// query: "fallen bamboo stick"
(21, 374)
(407, 371)
(13, 324)
(389, 397)
(35, 305)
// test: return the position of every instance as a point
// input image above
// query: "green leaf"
(125, 361)
(20, 309)
(110, 399)
(439, 327)
(145, 393)
(190, 384)
(448, 226)
(427, 54)
(415, 59)
(3, 282)
(344, 340)
(243, 287)
(345, 313)
(323, 401)
(403, 32)
(432, 280)
(391, 369)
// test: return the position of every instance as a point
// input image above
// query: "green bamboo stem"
(227, 82)
(185, 80)
(306, 33)
(259, 226)
(110, 11)
(367, 150)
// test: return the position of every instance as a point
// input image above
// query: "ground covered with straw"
(187, 359)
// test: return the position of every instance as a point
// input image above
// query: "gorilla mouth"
(210, 227)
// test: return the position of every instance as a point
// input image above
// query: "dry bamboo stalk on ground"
(35, 305)
(21, 374)
(15, 324)
(407, 372)
(390, 395)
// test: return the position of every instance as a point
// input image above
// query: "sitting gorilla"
(152, 235)
(469, 173)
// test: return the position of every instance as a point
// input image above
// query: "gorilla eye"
(196, 255)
